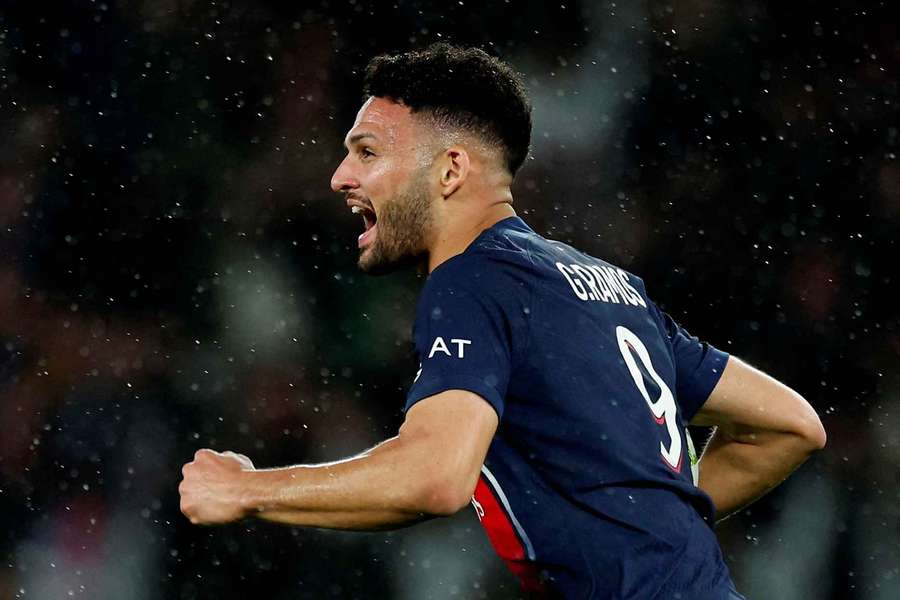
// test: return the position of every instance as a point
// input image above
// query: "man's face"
(385, 179)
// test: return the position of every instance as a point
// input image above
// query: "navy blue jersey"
(587, 490)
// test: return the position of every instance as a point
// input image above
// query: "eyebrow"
(357, 137)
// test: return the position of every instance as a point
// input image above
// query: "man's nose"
(342, 180)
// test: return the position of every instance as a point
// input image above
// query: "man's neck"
(456, 238)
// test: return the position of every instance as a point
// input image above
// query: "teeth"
(356, 209)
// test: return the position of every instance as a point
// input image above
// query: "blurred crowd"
(175, 272)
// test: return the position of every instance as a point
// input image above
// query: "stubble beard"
(403, 226)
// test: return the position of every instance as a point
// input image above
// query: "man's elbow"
(815, 435)
(809, 428)
(445, 496)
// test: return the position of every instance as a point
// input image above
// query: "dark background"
(175, 272)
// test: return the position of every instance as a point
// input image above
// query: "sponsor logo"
(440, 345)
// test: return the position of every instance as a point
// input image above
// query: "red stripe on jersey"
(502, 534)
(497, 523)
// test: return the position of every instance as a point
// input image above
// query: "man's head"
(434, 122)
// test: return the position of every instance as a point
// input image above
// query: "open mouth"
(370, 220)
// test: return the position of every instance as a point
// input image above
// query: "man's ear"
(455, 168)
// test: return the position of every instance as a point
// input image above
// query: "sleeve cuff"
(476, 385)
(706, 377)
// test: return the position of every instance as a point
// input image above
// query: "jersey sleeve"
(698, 365)
(463, 340)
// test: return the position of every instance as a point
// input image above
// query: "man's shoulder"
(480, 271)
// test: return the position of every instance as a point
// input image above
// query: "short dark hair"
(461, 87)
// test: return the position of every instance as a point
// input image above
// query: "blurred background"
(175, 272)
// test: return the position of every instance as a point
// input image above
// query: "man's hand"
(211, 493)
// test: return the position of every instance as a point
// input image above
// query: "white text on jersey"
(440, 346)
(606, 284)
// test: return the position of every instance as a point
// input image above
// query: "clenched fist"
(211, 491)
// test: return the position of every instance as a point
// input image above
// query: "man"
(551, 387)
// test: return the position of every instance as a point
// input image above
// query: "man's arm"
(764, 430)
(429, 469)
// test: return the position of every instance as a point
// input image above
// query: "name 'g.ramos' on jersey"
(587, 490)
